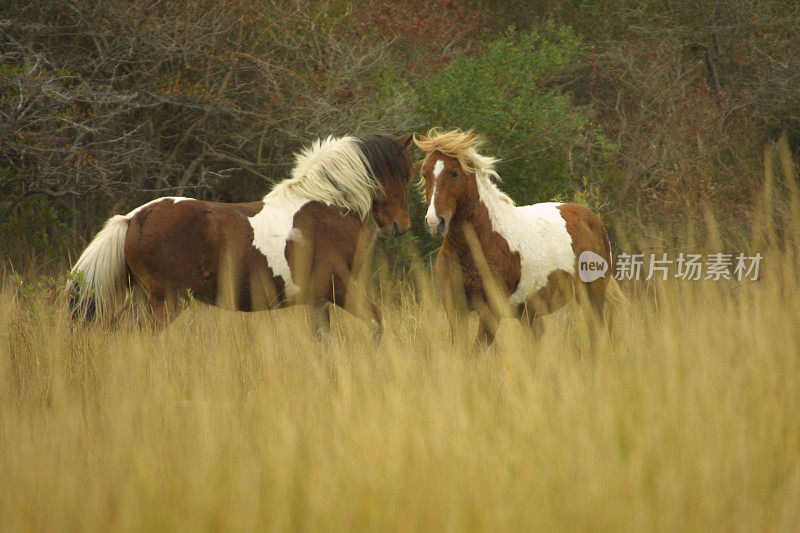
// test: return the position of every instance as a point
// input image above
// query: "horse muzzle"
(394, 229)
(437, 224)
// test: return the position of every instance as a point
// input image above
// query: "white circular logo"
(591, 266)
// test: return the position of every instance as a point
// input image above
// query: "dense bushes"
(641, 107)
(104, 106)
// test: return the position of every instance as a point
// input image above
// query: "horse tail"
(98, 282)
(617, 304)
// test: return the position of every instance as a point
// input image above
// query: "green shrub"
(509, 93)
(31, 227)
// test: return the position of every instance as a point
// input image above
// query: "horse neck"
(477, 215)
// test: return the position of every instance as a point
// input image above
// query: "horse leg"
(456, 316)
(488, 324)
(157, 318)
(320, 319)
(357, 304)
(594, 315)
(454, 299)
(487, 329)
(163, 308)
(375, 323)
(597, 298)
(535, 322)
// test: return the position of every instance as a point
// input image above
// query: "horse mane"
(463, 146)
(344, 171)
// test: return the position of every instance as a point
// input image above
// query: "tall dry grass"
(688, 418)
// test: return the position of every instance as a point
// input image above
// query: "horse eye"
(454, 173)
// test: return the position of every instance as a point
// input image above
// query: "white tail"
(99, 283)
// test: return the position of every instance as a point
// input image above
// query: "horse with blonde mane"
(303, 243)
(505, 259)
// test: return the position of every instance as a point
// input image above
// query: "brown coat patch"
(174, 248)
(324, 261)
(587, 231)
(504, 263)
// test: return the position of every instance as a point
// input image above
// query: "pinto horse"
(529, 254)
(303, 243)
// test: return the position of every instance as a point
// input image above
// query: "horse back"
(173, 247)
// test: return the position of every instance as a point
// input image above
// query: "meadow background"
(679, 122)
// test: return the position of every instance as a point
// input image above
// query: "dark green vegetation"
(643, 110)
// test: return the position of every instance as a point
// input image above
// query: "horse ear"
(423, 138)
(404, 141)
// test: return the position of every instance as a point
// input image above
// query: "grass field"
(688, 418)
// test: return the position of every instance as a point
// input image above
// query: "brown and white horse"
(304, 242)
(529, 254)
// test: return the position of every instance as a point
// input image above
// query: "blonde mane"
(463, 146)
(334, 171)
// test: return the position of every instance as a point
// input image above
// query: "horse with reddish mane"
(505, 259)
(303, 243)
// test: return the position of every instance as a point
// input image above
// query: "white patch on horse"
(175, 200)
(537, 232)
(272, 227)
(430, 216)
(432, 207)
(437, 168)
